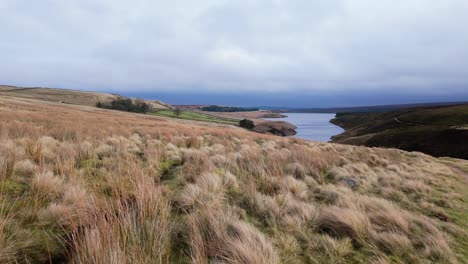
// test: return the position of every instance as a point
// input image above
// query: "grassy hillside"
(85, 185)
(365, 109)
(438, 130)
(196, 116)
(66, 96)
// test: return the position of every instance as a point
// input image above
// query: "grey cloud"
(277, 45)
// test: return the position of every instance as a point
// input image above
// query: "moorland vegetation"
(80, 184)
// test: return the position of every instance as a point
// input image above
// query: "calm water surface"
(312, 126)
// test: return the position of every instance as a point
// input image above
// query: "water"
(312, 126)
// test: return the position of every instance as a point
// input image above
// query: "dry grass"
(66, 96)
(86, 185)
(46, 184)
(132, 232)
(216, 236)
(344, 222)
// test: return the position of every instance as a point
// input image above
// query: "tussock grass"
(136, 232)
(85, 185)
(343, 222)
(46, 184)
(217, 237)
(24, 168)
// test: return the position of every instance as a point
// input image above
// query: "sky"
(304, 53)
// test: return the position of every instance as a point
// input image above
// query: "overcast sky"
(300, 48)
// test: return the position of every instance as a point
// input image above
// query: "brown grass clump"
(214, 237)
(294, 213)
(7, 243)
(229, 180)
(9, 153)
(296, 170)
(207, 192)
(195, 163)
(86, 185)
(49, 147)
(296, 187)
(322, 248)
(393, 243)
(24, 168)
(46, 184)
(138, 233)
(343, 222)
(7, 165)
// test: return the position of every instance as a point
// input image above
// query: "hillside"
(80, 184)
(162, 109)
(195, 116)
(435, 130)
(156, 104)
(359, 109)
(279, 128)
(66, 96)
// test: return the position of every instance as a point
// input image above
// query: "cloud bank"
(298, 46)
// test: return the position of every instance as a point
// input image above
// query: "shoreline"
(314, 126)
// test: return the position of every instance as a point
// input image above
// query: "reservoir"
(312, 126)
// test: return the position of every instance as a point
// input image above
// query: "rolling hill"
(67, 96)
(358, 109)
(435, 130)
(79, 184)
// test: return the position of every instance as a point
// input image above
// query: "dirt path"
(405, 123)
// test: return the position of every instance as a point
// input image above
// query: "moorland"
(80, 184)
(436, 130)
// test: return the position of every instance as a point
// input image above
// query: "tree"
(126, 104)
(141, 107)
(177, 112)
(246, 123)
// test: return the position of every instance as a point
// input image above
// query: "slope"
(437, 130)
(85, 185)
(66, 96)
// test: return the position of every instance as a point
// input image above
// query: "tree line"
(218, 108)
(126, 104)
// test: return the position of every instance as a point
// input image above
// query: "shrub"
(177, 112)
(246, 123)
(126, 104)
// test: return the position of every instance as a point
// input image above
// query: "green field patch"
(168, 174)
(197, 116)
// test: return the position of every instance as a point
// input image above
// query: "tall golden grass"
(85, 185)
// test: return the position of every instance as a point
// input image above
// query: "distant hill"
(190, 107)
(67, 96)
(217, 108)
(357, 109)
(220, 108)
(435, 130)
